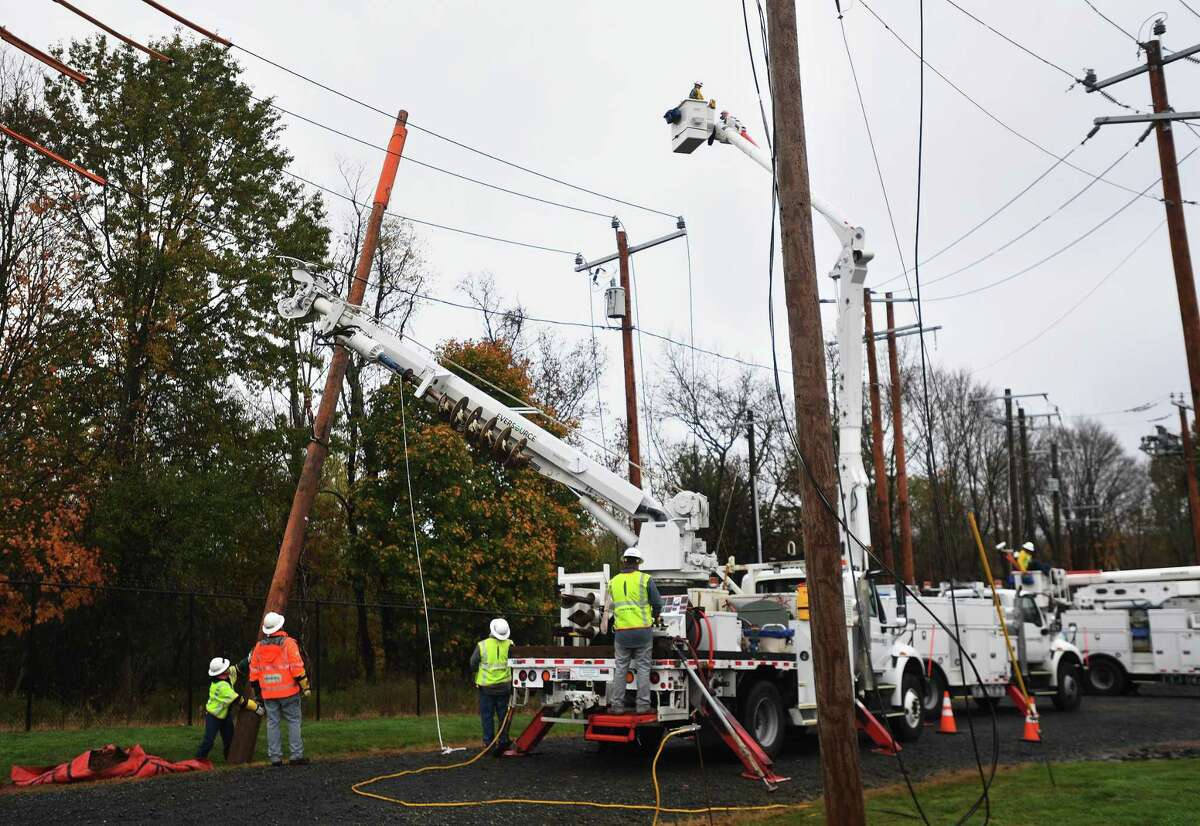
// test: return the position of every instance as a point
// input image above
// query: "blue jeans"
(289, 709)
(213, 726)
(493, 707)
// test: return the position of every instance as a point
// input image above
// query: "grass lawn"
(321, 739)
(1160, 792)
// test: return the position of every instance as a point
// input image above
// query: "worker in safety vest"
(493, 678)
(1024, 556)
(277, 674)
(222, 696)
(633, 604)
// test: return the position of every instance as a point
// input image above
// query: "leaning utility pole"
(631, 410)
(1026, 488)
(1163, 116)
(881, 481)
(754, 483)
(1014, 504)
(318, 445)
(906, 548)
(1189, 469)
(841, 774)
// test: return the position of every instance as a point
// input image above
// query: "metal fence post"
(191, 652)
(317, 659)
(30, 649)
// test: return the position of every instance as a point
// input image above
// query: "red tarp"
(103, 764)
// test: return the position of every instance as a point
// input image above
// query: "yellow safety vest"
(493, 663)
(631, 600)
(1023, 558)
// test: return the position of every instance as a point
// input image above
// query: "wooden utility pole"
(1181, 256)
(318, 445)
(1064, 555)
(1028, 522)
(1014, 500)
(754, 483)
(906, 548)
(881, 480)
(631, 410)
(841, 775)
(1189, 466)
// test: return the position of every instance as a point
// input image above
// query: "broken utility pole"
(841, 774)
(318, 445)
(631, 410)
(906, 548)
(881, 480)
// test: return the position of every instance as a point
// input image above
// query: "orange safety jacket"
(276, 666)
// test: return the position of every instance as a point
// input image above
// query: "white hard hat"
(499, 629)
(632, 553)
(272, 622)
(1028, 546)
(217, 666)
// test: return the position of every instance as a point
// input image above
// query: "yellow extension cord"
(657, 808)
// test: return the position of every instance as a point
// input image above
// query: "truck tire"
(931, 701)
(1069, 691)
(907, 727)
(763, 716)
(1104, 676)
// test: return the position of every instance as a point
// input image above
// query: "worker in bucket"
(493, 678)
(1025, 556)
(222, 696)
(277, 674)
(633, 604)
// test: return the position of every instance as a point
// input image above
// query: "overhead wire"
(991, 115)
(1060, 250)
(1110, 21)
(1077, 304)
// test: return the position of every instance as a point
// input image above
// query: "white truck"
(739, 659)
(1136, 626)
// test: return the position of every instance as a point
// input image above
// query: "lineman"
(221, 697)
(633, 604)
(1025, 556)
(277, 674)
(493, 678)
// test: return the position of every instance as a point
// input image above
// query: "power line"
(1110, 21)
(1077, 304)
(1061, 249)
(992, 115)
(1043, 219)
(412, 160)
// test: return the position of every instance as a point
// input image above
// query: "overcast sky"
(577, 91)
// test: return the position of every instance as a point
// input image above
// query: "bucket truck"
(1050, 663)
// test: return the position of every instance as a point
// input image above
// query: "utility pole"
(754, 483)
(625, 313)
(1064, 555)
(1026, 488)
(1189, 468)
(881, 480)
(1014, 504)
(841, 774)
(906, 548)
(318, 446)
(1181, 256)
(631, 411)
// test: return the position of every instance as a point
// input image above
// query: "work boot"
(646, 710)
(277, 764)
(299, 761)
(616, 709)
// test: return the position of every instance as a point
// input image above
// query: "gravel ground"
(571, 768)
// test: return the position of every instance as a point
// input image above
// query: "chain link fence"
(139, 655)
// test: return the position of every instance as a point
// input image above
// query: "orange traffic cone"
(1033, 732)
(947, 725)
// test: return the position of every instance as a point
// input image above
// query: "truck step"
(616, 728)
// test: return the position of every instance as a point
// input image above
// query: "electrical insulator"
(614, 300)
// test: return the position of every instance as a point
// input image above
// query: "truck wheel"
(1069, 692)
(907, 727)
(1103, 676)
(931, 700)
(763, 716)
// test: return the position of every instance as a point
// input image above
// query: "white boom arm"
(667, 541)
(695, 122)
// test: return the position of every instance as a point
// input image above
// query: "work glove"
(305, 690)
(259, 710)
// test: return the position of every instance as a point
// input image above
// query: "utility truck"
(1136, 626)
(738, 659)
